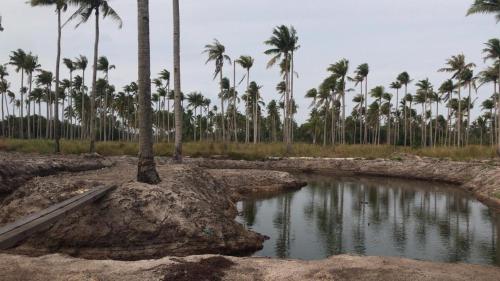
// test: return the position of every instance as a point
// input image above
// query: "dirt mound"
(243, 183)
(16, 169)
(188, 212)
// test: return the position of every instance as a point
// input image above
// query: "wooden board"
(13, 233)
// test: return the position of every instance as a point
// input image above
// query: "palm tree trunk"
(459, 122)
(498, 115)
(247, 120)
(146, 168)
(235, 126)
(366, 110)
(94, 80)
(177, 84)
(29, 105)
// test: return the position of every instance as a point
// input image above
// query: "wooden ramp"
(13, 233)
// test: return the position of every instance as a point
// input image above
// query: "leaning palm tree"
(246, 62)
(85, 10)
(61, 6)
(177, 83)
(457, 65)
(485, 7)
(492, 52)
(217, 53)
(146, 168)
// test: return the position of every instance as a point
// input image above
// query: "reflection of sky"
(417, 220)
(392, 36)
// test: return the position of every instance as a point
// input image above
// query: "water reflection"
(375, 216)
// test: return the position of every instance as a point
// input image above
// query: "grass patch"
(253, 152)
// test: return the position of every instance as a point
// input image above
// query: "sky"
(416, 36)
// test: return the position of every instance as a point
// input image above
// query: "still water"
(375, 217)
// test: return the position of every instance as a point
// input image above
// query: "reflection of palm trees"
(249, 212)
(282, 223)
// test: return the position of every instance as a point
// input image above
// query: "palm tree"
(165, 76)
(485, 7)
(85, 10)
(61, 6)
(177, 83)
(424, 93)
(217, 53)
(146, 168)
(45, 78)
(195, 100)
(386, 108)
(246, 62)
(457, 65)
(340, 70)
(254, 96)
(362, 71)
(18, 59)
(273, 114)
(404, 79)
(396, 85)
(104, 66)
(447, 89)
(492, 52)
(3, 91)
(31, 65)
(283, 43)
(81, 63)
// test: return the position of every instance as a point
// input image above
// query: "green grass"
(254, 152)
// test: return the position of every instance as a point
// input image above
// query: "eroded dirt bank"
(16, 169)
(189, 212)
(482, 178)
(218, 268)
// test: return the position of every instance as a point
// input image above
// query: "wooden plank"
(12, 234)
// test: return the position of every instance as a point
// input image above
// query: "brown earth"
(189, 212)
(218, 268)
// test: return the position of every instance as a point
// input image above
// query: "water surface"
(375, 217)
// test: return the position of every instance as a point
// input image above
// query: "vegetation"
(385, 117)
(260, 151)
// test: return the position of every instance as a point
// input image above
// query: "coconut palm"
(195, 101)
(485, 7)
(177, 83)
(60, 6)
(404, 79)
(424, 94)
(3, 92)
(396, 85)
(31, 65)
(83, 13)
(217, 53)
(340, 70)
(146, 168)
(492, 52)
(18, 60)
(283, 43)
(81, 63)
(246, 62)
(446, 90)
(104, 66)
(457, 65)
(254, 96)
(362, 72)
(164, 76)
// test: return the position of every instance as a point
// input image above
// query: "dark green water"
(375, 217)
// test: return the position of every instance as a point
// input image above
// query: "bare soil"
(214, 268)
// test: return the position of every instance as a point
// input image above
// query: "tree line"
(107, 113)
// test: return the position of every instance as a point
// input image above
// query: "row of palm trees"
(328, 101)
(330, 104)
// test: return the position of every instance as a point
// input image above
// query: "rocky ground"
(191, 212)
(219, 268)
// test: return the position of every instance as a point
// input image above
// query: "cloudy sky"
(392, 36)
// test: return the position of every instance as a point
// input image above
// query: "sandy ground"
(214, 268)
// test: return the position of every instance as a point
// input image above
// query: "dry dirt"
(215, 268)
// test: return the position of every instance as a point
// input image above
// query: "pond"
(375, 217)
